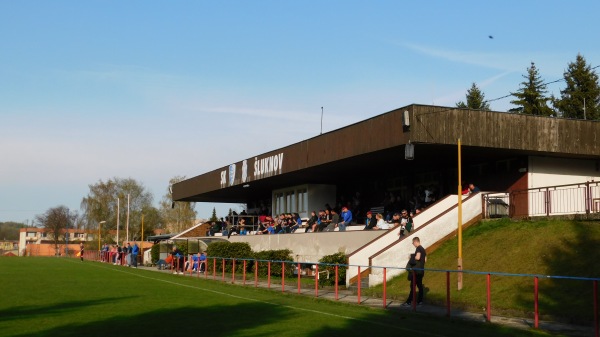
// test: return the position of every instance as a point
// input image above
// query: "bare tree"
(178, 216)
(55, 221)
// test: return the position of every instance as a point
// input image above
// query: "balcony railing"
(582, 198)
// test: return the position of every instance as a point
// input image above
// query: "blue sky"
(91, 90)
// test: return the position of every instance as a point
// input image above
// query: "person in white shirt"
(381, 224)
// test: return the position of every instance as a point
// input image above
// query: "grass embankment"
(65, 297)
(545, 247)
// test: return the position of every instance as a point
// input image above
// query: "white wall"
(547, 171)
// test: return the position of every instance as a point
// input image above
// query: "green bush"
(155, 253)
(337, 258)
(275, 255)
(230, 250)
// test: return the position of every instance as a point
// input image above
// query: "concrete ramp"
(433, 225)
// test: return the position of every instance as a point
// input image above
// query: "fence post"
(269, 274)
(588, 198)
(298, 278)
(547, 196)
(336, 282)
(489, 299)
(447, 294)
(233, 272)
(255, 273)
(223, 275)
(358, 292)
(413, 285)
(282, 276)
(214, 268)
(244, 274)
(536, 312)
(316, 280)
(384, 287)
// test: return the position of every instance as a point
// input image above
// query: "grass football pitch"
(66, 297)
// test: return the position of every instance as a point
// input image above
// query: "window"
(31, 234)
(79, 235)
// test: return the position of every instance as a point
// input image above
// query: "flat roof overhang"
(340, 155)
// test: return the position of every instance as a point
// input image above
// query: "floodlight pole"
(99, 226)
(67, 236)
(142, 245)
(460, 262)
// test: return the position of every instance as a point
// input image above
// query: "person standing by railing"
(417, 264)
(135, 249)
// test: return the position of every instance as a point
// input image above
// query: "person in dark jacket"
(177, 260)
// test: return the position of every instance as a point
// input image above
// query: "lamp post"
(99, 226)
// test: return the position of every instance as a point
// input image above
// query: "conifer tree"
(475, 99)
(582, 86)
(213, 217)
(531, 96)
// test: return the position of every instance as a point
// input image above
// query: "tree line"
(580, 99)
(120, 201)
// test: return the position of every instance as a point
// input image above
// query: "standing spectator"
(118, 255)
(134, 253)
(128, 255)
(346, 219)
(417, 263)
(81, 251)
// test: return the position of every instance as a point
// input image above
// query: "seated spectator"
(346, 219)
(473, 189)
(312, 222)
(325, 220)
(370, 222)
(177, 260)
(271, 228)
(395, 222)
(405, 222)
(296, 222)
(381, 224)
(199, 260)
(333, 223)
(202, 262)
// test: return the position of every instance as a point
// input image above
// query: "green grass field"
(65, 297)
(546, 247)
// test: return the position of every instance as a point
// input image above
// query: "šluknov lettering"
(263, 167)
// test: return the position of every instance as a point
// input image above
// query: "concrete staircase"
(437, 223)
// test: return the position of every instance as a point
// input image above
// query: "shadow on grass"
(563, 299)
(214, 321)
(265, 319)
(39, 311)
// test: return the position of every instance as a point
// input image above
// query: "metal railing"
(582, 198)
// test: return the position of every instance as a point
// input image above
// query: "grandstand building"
(403, 152)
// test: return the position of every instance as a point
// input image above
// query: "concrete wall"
(310, 247)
